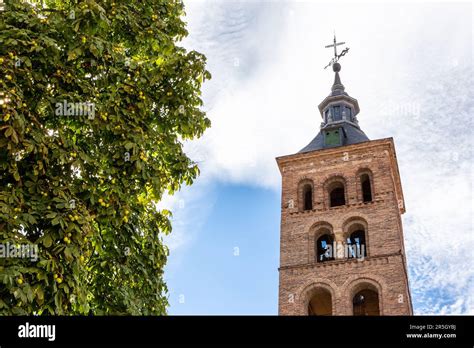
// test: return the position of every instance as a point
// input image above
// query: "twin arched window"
(365, 301)
(354, 244)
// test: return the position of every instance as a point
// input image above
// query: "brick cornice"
(333, 151)
(349, 262)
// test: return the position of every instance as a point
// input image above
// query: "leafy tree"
(82, 181)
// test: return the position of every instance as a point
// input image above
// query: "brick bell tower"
(341, 243)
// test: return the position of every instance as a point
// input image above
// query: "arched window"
(366, 302)
(320, 303)
(324, 248)
(305, 195)
(355, 231)
(366, 188)
(357, 247)
(337, 195)
(308, 197)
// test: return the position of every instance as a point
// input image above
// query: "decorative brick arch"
(330, 181)
(352, 215)
(300, 194)
(306, 291)
(356, 283)
(328, 177)
(317, 228)
(361, 171)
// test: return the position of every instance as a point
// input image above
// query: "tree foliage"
(83, 185)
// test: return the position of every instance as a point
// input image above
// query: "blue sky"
(409, 66)
(231, 267)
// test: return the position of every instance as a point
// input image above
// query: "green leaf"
(31, 219)
(75, 53)
(94, 50)
(47, 241)
(68, 254)
(39, 293)
(9, 131)
(29, 293)
(51, 215)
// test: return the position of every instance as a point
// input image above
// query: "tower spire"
(339, 126)
(337, 87)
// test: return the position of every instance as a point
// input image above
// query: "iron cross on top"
(335, 44)
(336, 56)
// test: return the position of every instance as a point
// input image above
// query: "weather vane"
(336, 56)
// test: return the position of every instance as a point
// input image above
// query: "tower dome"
(339, 112)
